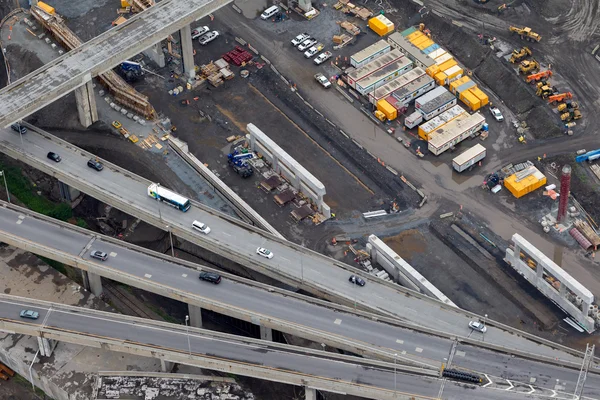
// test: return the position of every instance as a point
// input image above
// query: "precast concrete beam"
(195, 314)
(187, 52)
(86, 104)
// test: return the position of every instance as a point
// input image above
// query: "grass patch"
(26, 384)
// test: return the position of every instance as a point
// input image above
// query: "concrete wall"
(404, 273)
(285, 165)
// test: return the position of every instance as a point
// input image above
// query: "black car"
(54, 157)
(210, 277)
(97, 165)
(18, 128)
(357, 280)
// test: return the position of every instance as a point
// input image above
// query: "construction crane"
(557, 98)
(529, 66)
(526, 33)
(585, 366)
(539, 76)
(518, 55)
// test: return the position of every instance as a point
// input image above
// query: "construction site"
(451, 149)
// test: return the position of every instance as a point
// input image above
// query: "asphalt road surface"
(120, 327)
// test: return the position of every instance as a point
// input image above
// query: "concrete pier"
(92, 282)
(266, 333)
(187, 52)
(195, 314)
(86, 104)
(310, 393)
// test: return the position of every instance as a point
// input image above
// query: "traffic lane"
(37, 230)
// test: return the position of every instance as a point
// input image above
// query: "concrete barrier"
(181, 148)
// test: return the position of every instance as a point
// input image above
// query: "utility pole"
(585, 365)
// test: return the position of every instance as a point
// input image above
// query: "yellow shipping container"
(414, 35)
(470, 100)
(431, 71)
(425, 44)
(381, 25)
(453, 73)
(447, 65)
(483, 98)
(420, 40)
(385, 107)
(49, 9)
(455, 85)
(525, 185)
(125, 3)
(440, 78)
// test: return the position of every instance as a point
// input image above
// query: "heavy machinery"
(238, 162)
(545, 91)
(529, 66)
(568, 106)
(539, 76)
(557, 98)
(570, 116)
(131, 70)
(518, 55)
(526, 33)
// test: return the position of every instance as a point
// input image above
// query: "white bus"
(173, 199)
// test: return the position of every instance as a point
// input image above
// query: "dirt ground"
(18, 388)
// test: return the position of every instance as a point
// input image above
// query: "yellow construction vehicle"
(544, 91)
(380, 116)
(518, 55)
(526, 33)
(569, 105)
(570, 116)
(529, 66)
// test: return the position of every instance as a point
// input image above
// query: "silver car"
(98, 255)
(321, 58)
(477, 326)
(208, 37)
(299, 39)
(306, 44)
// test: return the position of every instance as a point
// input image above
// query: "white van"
(269, 12)
(199, 226)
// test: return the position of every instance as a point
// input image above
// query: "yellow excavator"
(544, 90)
(518, 55)
(526, 33)
(529, 66)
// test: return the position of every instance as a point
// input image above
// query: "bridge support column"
(86, 104)
(156, 54)
(46, 346)
(310, 393)
(166, 366)
(92, 282)
(67, 192)
(187, 52)
(195, 313)
(266, 333)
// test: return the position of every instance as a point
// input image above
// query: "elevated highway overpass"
(241, 356)
(237, 241)
(341, 327)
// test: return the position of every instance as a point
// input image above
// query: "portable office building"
(422, 46)
(470, 100)
(443, 58)
(452, 74)
(483, 98)
(369, 53)
(468, 158)
(414, 35)
(465, 86)
(397, 41)
(427, 128)
(381, 25)
(354, 75)
(413, 120)
(387, 109)
(457, 83)
(435, 103)
(430, 49)
(437, 53)
(385, 90)
(532, 180)
(383, 75)
(408, 31)
(454, 132)
(414, 89)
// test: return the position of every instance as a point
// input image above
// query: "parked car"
(306, 44)
(208, 37)
(321, 58)
(117, 125)
(477, 326)
(199, 31)
(269, 12)
(54, 157)
(98, 255)
(199, 226)
(299, 39)
(210, 277)
(97, 165)
(29, 314)
(322, 79)
(497, 114)
(357, 280)
(19, 128)
(314, 50)
(261, 251)
(582, 151)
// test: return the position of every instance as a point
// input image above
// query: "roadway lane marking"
(19, 222)
(184, 275)
(147, 276)
(489, 381)
(559, 387)
(337, 321)
(283, 258)
(226, 234)
(403, 352)
(113, 254)
(399, 341)
(532, 380)
(511, 385)
(553, 393)
(460, 353)
(532, 390)
(419, 350)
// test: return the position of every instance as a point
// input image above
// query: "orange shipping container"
(440, 78)
(447, 65)
(426, 44)
(526, 185)
(483, 98)
(414, 35)
(431, 71)
(385, 107)
(470, 100)
(420, 40)
(49, 9)
(381, 25)
(454, 85)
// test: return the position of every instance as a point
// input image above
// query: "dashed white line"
(184, 275)
(419, 350)
(226, 234)
(532, 380)
(147, 276)
(113, 254)
(19, 222)
(399, 341)
(337, 321)
(460, 353)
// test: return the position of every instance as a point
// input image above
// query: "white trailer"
(435, 102)
(383, 75)
(414, 89)
(468, 158)
(454, 132)
(369, 53)
(383, 91)
(353, 75)
(413, 120)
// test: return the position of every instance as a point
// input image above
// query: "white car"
(477, 326)
(199, 31)
(314, 50)
(299, 39)
(208, 37)
(321, 58)
(496, 114)
(306, 44)
(200, 227)
(322, 79)
(261, 251)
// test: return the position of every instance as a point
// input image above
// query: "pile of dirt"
(543, 123)
(550, 8)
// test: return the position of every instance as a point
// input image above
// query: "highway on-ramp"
(261, 359)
